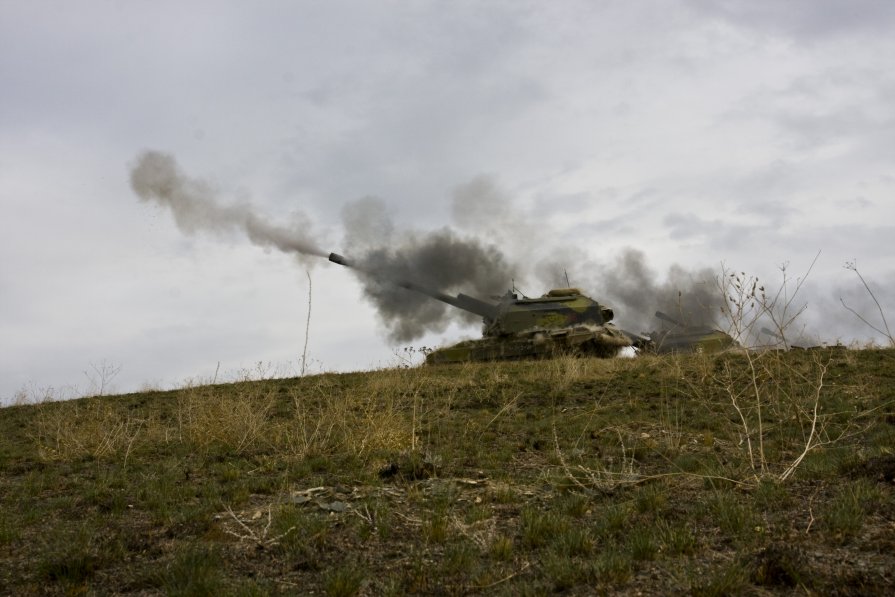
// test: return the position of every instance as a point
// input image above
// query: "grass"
(701, 474)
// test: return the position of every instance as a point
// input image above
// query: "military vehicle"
(687, 338)
(563, 320)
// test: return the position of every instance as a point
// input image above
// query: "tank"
(679, 337)
(563, 320)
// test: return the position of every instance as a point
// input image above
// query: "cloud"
(562, 134)
(807, 20)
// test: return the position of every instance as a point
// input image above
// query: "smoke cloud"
(691, 297)
(157, 178)
(384, 257)
(626, 283)
(441, 260)
(452, 262)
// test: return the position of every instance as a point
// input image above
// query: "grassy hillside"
(737, 473)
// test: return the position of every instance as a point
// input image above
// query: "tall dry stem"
(853, 266)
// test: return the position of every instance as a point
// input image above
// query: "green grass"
(580, 475)
(194, 570)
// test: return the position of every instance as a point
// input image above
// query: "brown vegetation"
(756, 472)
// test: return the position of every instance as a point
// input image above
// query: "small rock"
(335, 506)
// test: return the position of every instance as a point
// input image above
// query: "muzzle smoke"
(690, 297)
(157, 178)
(441, 260)
(450, 262)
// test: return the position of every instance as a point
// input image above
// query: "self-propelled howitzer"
(678, 337)
(562, 321)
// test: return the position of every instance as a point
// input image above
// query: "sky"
(559, 138)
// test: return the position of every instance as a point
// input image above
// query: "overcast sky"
(699, 132)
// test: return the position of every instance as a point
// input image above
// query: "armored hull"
(601, 341)
(684, 338)
(561, 321)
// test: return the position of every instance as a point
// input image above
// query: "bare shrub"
(381, 414)
(884, 330)
(235, 419)
(773, 398)
(768, 389)
(100, 377)
(90, 427)
(755, 313)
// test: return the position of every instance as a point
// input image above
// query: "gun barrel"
(336, 258)
(668, 318)
(461, 301)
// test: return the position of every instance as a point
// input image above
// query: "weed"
(884, 331)
(613, 566)
(641, 543)
(575, 505)
(612, 520)
(564, 572)
(727, 579)
(90, 427)
(459, 557)
(651, 498)
(344, 581)
(844, 516)
(477, 513)
(436, 528)
(780, 564)
(417, 577)
(9, 531)
(608, 489)
(72, 560)
(211, 419)
(371, 418)
(562, 371)
(688, 463)
(501, 548)
(734, 518)
(770, 494)
(300, 534)
(540, 528)
(575, 541)
(676, 539)
(502, 493)
(195, 570)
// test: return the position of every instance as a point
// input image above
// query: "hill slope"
(710, 475)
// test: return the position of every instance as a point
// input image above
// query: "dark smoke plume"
(384, 258)
(691, 297)
(441, 260)
(156, 177)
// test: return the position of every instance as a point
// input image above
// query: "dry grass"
(375, 416)
(91, 427)
(518, 478)
(209, 418)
